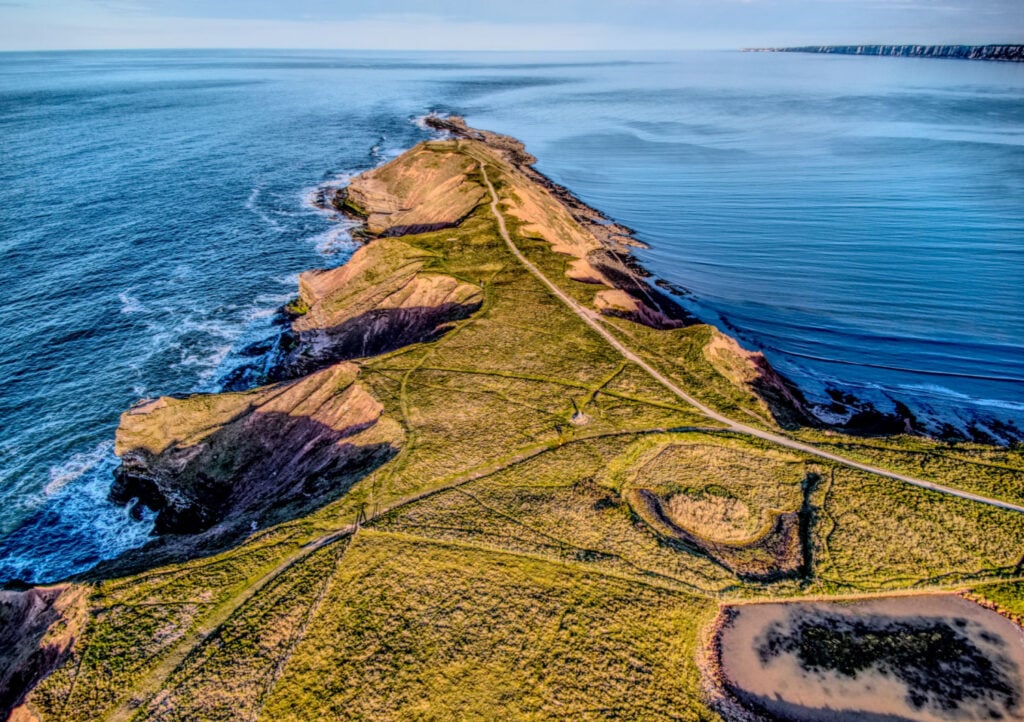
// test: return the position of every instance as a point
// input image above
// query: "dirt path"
(152, 682)
(593, 319)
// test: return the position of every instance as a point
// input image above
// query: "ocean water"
(861, 220)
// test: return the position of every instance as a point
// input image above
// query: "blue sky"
(505, 25)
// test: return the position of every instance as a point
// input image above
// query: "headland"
(490, 469)
(999, 53)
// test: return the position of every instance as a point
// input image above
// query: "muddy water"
(936, 658)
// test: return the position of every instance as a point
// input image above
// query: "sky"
(501, 25)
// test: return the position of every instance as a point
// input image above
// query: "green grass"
(1008, 597)
(986, 470)
(412, 629)
(875, 533)
(720, 488)
(502, 575)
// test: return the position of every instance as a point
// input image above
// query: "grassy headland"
(475, 492)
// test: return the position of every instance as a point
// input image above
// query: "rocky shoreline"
(384, 298)
(490, 383)
(617, 263)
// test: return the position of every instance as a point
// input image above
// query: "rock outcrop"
(382, 299)
(751, 370)
(238, 458)
(419, 191)
(37, 630)
(616, 302)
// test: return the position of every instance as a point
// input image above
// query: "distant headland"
(1004, 53)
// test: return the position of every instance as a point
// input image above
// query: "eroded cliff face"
(37, 630)
(616, 302)
(438, 183)
(751, 370)
(382, 299)
(238, 458)
(419, 191)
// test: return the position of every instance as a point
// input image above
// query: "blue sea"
(860, 220)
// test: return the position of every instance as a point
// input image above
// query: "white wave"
(830, 417)
(75, 524)
(942, 392)
(129, 303)
(76, 466)
(310, 196)
(382, 151)
(335, 240)
(269, 302)
(420, 121)
(252, 205)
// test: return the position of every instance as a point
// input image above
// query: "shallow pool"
(934, 657)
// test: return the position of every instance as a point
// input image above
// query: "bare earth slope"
(505, 478)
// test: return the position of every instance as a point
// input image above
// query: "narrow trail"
(151, 683)
(593, 319)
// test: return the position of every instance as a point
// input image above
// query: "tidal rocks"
(238, 458)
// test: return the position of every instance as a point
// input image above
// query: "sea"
(860, 220)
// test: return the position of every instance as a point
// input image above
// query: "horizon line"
(496, 51)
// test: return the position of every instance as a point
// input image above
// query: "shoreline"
(846, 414)
(475, 364)
(1005, 53)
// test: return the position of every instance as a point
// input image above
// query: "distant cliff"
(1006, 53)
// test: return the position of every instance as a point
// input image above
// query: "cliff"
(243, 458)
(382, 299)
(37, 630)
(1004, 53)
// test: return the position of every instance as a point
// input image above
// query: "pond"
(929, 657)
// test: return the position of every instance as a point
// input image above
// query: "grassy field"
(502, 568)
(992, 471)
(417, 629)
(1007, 597)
